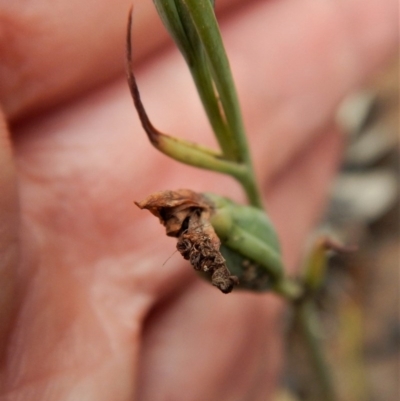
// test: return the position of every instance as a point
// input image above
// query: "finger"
(56, 48)
(61, 50)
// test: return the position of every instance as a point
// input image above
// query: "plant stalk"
(309, 324)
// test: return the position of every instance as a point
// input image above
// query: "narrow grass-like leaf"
(178, 149)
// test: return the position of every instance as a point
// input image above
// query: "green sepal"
(249, 243)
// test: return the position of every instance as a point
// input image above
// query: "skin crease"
(88, 310)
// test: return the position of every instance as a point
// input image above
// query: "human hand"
(88, 310)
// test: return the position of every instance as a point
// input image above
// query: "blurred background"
(360, 304)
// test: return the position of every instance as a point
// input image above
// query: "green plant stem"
(308, 321)
(250, 186)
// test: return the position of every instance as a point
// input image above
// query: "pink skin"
(88, 310)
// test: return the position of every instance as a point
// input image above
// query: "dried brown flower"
(186, 216)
